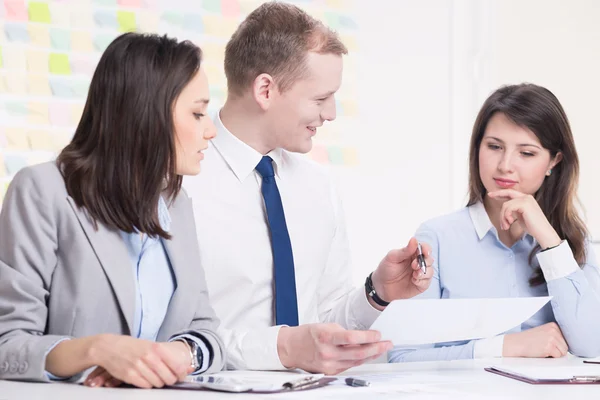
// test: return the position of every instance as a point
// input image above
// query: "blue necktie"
(286, 303)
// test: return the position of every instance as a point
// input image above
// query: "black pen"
(591, 362)
(421, 259)
(357, 382)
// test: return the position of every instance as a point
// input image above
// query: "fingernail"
(93, 383)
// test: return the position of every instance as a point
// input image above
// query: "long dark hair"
(122, 156)
(538, 110)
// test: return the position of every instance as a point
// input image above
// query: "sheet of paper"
(424, 321)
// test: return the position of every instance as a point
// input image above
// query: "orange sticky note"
(39, 140)
(350, 156)
(350, 108)
(16, 139)
(37, 61)
(350, 42)
(60, 14)
(82, 41)
(76, 112)
(38, 113)
(16, 84)
(15, 10)
(2, 168)
(148, 20)
(38, 85)
(39, 34)
(60, 140)
(3, 87)
(14, 58)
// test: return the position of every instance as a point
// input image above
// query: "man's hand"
(399, 275)
(328, 348)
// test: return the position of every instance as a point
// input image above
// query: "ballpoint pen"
(421, 259)
(356, 382)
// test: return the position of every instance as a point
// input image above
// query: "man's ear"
(264, 90)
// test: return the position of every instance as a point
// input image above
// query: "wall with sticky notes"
(49, 50)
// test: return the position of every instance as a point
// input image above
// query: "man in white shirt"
(271, 229)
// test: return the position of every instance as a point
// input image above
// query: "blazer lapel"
(112, 254)
(182, 251)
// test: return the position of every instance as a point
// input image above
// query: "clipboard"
(550, 376)
(236, 384)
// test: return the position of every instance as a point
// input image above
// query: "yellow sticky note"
(76, 112)
(38, 85)
(1, 63)
(16, 139)
(126, 20)
(40, 140)
(39, 35)
(215, 74)
(39, 12)
(212, 25)
(38, 113)
(3, 86)
(81, 41)
(37, 61)
(59, 64)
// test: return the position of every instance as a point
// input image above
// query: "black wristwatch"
(370, 289)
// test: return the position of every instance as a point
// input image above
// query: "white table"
(464, 379)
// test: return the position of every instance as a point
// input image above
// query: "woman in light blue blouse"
(520, 234)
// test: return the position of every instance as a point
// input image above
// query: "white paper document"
(424, 321)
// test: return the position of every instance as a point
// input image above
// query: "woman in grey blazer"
(99, 263)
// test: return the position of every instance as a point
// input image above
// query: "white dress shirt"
(235, 248)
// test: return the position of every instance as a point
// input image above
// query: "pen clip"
(585, 378)
(308, 381)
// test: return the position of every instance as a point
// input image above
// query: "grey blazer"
(61, 278)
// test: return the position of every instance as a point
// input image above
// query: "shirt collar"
(241, 158)
(481, 219)
(164, 218)
(483, 224)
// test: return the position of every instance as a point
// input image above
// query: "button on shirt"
(472, 262)
(236, 253)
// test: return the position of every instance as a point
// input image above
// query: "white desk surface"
(463, 379)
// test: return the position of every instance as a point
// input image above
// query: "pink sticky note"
(130, 3)
(83, 66)
(60, 114)
(230, 8)
(319, 154)
(15, 10)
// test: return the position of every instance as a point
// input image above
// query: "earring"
(549, 172)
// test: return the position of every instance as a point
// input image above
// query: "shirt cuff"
(363, 314)
(202, 349)
(259, 349)
(489, 348)
(557, 262)
(50, 376)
